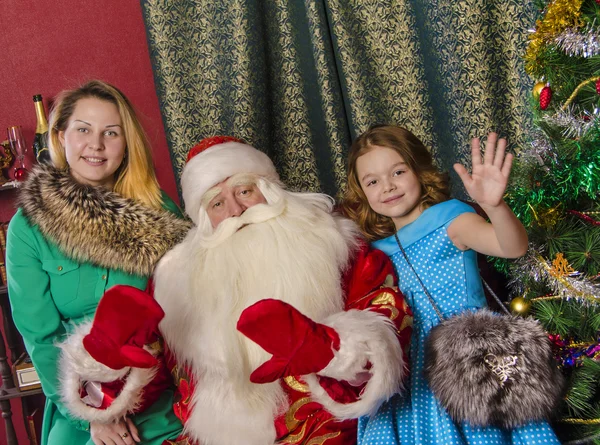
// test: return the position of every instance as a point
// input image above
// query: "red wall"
(50, 45)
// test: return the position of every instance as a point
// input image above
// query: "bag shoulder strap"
(431, 300)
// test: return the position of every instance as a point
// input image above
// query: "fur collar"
(91, 224)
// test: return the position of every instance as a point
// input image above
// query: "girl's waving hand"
(488, 180)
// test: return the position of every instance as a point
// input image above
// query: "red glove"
(299, 345)
(126, 320)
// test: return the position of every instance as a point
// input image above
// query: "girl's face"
(94, 142)
(391, 188)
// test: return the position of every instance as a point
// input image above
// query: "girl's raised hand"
(487, 182)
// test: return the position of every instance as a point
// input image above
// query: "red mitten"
(299, 345)
(125, 321)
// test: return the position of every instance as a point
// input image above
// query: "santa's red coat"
(369, 284)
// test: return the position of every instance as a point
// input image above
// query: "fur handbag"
(491, 369)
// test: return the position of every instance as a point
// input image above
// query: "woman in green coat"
(93, 219)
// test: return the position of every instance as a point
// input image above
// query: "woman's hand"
(121, 433)
(487, 182)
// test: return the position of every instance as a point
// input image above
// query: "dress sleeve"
(34, 312)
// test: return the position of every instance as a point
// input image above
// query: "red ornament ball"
(598, 81)
(545, 97)
(20, 173)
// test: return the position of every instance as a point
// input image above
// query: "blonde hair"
(135, 177)
(434, 184)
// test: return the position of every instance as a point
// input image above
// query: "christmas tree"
(554, 192)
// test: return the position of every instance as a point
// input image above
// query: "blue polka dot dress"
(415, 417)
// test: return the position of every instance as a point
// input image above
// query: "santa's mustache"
(254, 215)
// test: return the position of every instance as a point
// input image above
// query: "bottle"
(40, 141)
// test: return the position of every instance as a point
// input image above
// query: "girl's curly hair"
(434, 184)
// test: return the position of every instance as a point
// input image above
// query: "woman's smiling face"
(94, 142)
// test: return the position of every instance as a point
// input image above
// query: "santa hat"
(215, 159)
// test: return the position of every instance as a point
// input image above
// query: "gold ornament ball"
(520, 306)
(537, 89)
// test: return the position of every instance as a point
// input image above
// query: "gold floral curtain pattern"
(299, 79)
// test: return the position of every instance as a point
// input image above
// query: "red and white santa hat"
(215, 159)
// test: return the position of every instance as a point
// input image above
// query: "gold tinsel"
(549, 217)
(561, 14)
(581, 421)
(546, 297)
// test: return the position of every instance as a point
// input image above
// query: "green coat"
(49, 293)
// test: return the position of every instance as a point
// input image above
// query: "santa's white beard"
(296, 254)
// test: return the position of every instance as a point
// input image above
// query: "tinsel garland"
(574, 123)
(585, 217)
(582, 422)
(574, 43)
(539, 149)
(574, 286)
(561, 15)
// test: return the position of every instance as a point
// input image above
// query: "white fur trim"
(365, 336)
(224, 413)
(217, 163)
(75, 358)
(76, 366)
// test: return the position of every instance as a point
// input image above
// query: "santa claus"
(282, 326)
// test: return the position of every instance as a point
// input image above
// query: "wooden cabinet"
(8, 391)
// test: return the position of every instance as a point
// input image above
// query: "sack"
(492, 369)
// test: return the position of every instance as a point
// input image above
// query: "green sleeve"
(33, 309)
(169, 205)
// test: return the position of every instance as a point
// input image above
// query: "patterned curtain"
(299, 79)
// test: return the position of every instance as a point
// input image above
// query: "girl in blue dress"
(394, 188)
